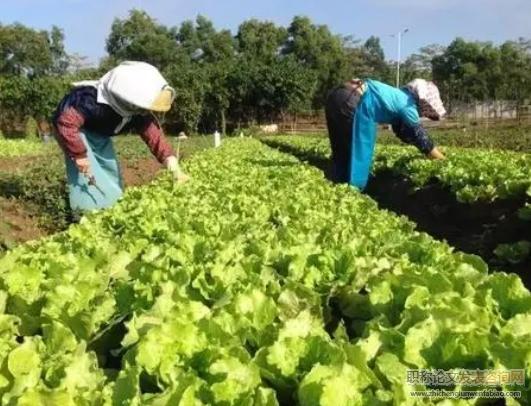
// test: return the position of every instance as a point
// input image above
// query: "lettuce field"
(261, 283)
(478, 199)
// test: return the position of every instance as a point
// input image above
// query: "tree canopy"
(259, 73)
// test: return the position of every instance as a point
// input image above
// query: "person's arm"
(68, 127)
(418, 136)
(411, 131)
(153, 136)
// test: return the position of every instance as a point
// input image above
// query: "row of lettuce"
(127, 146)
(16, 148)
(510, 138)
(257, 283)
(471, 175)
(38, 180)
(502, 137)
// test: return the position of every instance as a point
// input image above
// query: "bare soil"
(19, 224)
(140, 172)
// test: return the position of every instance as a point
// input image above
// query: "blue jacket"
(383, 104)
(392, 105)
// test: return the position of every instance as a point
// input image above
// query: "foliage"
(189, 84)
(228, 80)
(376, 65)
(39, 182)
(31, 128)
(141, 38)
(512, 138)
(15, 148)
(316, 48)
(248, 294)
(469, 71)
(22, 97)
(25, 51)
(513, 253)
(471, 174)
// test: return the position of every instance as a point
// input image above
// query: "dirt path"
(475, 228)
(140, 172)
(17, 224)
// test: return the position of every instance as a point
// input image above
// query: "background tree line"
(263, 72)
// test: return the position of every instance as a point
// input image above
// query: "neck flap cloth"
(428, 97)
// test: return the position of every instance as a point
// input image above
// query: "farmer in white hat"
(129, 98)
(354, 109)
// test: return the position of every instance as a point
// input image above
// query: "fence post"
(488, 116)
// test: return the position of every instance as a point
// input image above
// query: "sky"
(86, 23)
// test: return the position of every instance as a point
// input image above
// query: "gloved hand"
(83, 166)
(173, 166)
(435, 153)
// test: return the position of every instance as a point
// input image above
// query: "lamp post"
(400, 34)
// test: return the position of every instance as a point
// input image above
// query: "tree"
(423, 61)
(24, 51)
(260, 40)
(419, 65)
(316, 48)
(355, 58)
(189, 82)
(374, 62)
(515, 57)
(462, 70)
(287, 88)
(200, 41)
(60, 59)
(244, 96)
(139, 37)
(213, 53)
(77, 62)
(45, 94)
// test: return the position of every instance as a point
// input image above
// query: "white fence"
(460, 115)
(495, 109)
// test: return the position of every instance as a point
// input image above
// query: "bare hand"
(83, 166)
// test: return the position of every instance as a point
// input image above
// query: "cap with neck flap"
(428, 98)
(135, 85)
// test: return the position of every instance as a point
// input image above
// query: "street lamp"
(399, 54)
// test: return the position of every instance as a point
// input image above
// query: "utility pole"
(400, 34)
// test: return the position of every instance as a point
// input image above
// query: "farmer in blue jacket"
(354, 109)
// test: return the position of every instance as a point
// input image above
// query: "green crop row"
(471, 174)
(15, 148)
(515, 138)
(257, 283)
(40, 183)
